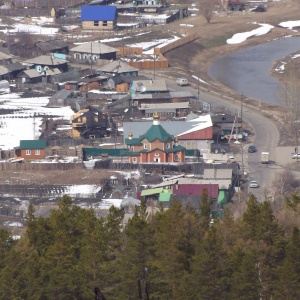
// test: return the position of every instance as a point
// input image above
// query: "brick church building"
(154, 146)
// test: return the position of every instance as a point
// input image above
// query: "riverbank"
(196, 57)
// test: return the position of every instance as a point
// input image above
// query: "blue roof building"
(98, 17)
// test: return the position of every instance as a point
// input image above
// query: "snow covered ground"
(25, 121)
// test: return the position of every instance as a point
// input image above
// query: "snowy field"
(25, 121)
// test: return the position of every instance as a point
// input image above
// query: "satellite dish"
(143, 89)
(39, 69)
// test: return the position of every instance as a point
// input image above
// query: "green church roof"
(156, 132)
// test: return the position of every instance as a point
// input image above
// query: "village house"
(89, 123)
(148, 87)
(118, 68)
(93, 51)
(57, 48)
(31, 149)
(5, 59)
(98, 17)
(165, 110)
(154, 146)
(122, 83)
(45, 62)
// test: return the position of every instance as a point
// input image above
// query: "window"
(104, 23)
(37, 152)
(156, 154)
(145, 146)
(176, 157)
(77, 56)
(92, 137)
(28, 152)
(134, 159)
(168, 146)
(96, 23)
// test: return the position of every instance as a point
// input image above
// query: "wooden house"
(53, 47)
(29, 76)
(90, 123)
(5, 59)
(98, 17)
(93, 51)
(31, 149)
(118, 68)
(45, 62)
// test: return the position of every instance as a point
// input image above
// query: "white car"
(253, 184)
(295, 155)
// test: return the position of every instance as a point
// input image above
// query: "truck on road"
(265, 157)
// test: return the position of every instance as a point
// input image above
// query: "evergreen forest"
(172, 254)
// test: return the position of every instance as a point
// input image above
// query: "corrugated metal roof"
(98, 13)
(151, 191)
(94, 48)
(217, 174)
(160, 110)
(149, 85)
(17, 66)
(196, 189)
(3, 70)
(52, 45)
(172, 127)
(4, 56)
(31, 73)
(62, 94)
(32, 144)
(46, 60)
(117, 67)
(165, 105)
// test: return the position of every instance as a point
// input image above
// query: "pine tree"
(288, 286)
(136, 255)
(245, 282)
(251, 216)
(210, 271)
(173, 232)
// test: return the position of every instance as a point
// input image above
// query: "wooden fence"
(39, 166)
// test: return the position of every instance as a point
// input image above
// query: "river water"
(247, 71)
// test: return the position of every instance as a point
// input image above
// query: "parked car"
(252, 149)
(254, 184)
(295, 155)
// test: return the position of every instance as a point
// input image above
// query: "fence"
(39, 166)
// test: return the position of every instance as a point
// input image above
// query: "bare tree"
(207, 7)
(290, 98)
(284, 184)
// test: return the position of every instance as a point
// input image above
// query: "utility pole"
(154, 64)
(242, 101)
(198, 86)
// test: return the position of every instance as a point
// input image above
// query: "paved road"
(266, 138)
